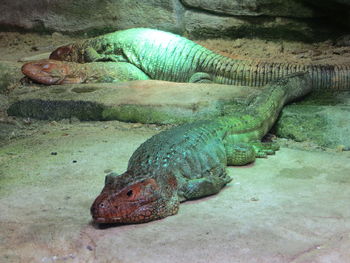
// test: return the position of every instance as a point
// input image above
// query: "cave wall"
(296, 19)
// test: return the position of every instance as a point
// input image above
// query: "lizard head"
(47, 72)
(139, 202)
(65, 53)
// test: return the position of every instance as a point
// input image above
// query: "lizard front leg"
(240, 154)
(263, 149)
(91, 55)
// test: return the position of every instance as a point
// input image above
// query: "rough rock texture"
(322, 118)
(9, 78)
(137, 101)
(197, 18)
(10, 73)
(89, 15)
(291, 8)
(207, 25)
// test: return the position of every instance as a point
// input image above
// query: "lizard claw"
(263, 149)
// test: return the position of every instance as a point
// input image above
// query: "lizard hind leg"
(211, 183)
(240, 154)
(263, 149)
(200, 77)
(91, 55)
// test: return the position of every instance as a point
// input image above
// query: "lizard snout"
(101, 209)
(45, 71)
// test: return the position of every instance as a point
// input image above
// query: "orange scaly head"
(47, 72)
(63, 53)
(53, 72)
(139, 202)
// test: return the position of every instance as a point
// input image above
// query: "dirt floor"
(291, 207)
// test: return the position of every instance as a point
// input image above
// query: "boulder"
(235, 17)
(276, 8)
(147, 101)
(10, 74)
(322, 118)
(90, 16)
(207, 25)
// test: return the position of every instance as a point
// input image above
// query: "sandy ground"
(291, 207)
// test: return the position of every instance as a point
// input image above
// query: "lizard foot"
(240, 154)
(263, 149)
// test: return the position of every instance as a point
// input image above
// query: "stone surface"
(90, 15)
(137, 101)
(4, 105)
(323, 119)
(250, 18)
(10, 74)
(290, 8)
(290, 207)
(332, 4)
(206, 25)
(35, 57)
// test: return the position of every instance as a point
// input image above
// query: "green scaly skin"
(166, 56)
(189, 161)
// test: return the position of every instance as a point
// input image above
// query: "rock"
(347, 2)
(277, 8)
(35, 57)
(323, 119)
(136, 101)
(56, 35)
(343, 41)
(337, 10)
(10, 74)
(292, 19)
(91, 16)
(4, 104)
(206, 25)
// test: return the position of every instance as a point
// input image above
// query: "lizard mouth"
(131, 213)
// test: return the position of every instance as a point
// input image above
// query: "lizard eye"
(129, 193)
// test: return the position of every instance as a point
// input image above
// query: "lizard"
(167, 56)
(189, 161)
(53, 72)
